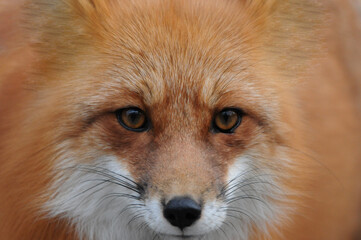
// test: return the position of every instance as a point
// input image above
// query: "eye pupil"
(227, 117)
(132, 119)
(133, 116)
(227, 120)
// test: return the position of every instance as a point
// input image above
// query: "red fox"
(166, 119)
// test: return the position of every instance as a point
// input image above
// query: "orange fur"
(298, 81)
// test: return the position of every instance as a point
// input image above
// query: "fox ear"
(293, 32)
(87, 8)
(42, 15)
(43, 12)
(84, 6)
(59, 29)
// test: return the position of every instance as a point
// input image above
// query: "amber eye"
(132, 118)
(227, 120)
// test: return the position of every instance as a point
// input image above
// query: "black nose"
(182, 212)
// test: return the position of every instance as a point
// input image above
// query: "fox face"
(158, 120)
(172, 161)
(176, 141)
(178, 166)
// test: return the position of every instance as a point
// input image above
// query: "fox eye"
(227, 120)
(132, 119)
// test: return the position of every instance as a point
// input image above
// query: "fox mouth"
(181, 236)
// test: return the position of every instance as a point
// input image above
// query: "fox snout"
(184, 168)
(183, 188)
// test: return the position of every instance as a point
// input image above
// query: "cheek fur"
(96, 197)
(133, 148)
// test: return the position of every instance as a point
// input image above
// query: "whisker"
(135, 217)
(237, 187)
(156, 236)
(117, 195)
(131, 206)
(116, 180)
(221, 229)
(235, 199)
(240, 211)
(92, 187)
(231, 225)
(122, 176)
(235, 178)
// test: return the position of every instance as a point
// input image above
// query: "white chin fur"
(100, 210)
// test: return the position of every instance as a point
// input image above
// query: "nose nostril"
(170, 217)
(182, 212)
(191, 216)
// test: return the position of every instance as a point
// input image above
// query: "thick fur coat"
(290, 170)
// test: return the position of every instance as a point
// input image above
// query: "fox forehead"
(182, 91)
(165, 54)
(171, 53)
(164, 77)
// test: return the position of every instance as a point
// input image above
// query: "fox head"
(163, 119)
